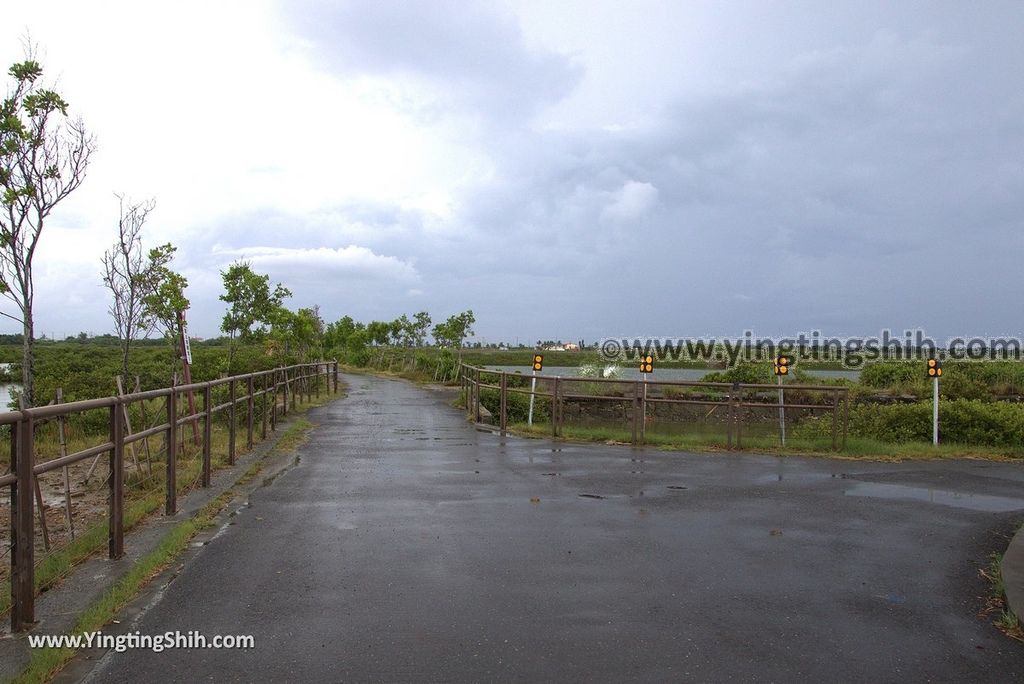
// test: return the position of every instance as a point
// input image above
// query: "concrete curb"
(58, 609)
(1012, 569)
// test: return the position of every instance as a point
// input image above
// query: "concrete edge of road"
(1012, 569)
(58, 609)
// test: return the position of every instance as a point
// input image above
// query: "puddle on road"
(973, 502)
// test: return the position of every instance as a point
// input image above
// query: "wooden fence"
(275, 390)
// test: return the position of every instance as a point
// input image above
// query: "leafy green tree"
(453, 333)
(336, 335)
(278, 339)
(253, 306)
(308, 333)
(44, 155)
(296, 334)
(165, 296)
(379, 332)
(359, 339)
(420, 328)
(401, 331)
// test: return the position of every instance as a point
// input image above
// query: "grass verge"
(295, 436)
(716, 441)
(48, 661)
(995, 606)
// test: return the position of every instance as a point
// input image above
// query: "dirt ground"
(89, 503)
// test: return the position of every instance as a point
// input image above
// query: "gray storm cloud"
(787, 167)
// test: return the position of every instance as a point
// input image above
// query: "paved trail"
(408, 546)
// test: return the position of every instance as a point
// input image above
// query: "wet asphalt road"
(405, 546)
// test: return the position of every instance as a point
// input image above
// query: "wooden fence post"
(23, 542)
(232, 420)
(476, 401)
(273, 401)
(835, 420)
(284, 385)
(554, 406)
(846, 414)
(207, 432)
(730, 418)
(636, 413)
(503, 421)
(249, 409)
(263, 401)
(739, 415)
(171, 503)
(115, 532)
(296, 380)
(643, 412)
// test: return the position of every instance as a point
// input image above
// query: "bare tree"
(127, 274)
(44, 155)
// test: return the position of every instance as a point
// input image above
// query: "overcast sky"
(565, 169)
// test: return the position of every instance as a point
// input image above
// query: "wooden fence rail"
(286, 384)
(734, 398)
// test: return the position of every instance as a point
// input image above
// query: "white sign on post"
(188, 347)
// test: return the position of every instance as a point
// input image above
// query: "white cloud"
(630, 202)
(352, 262)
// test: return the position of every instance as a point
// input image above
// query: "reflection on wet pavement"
(973, 502)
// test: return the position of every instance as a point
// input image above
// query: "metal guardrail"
(735, 397)
(284, 384)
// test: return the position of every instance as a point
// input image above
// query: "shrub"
(756, 374)
(517, 406)
(960, 379)
(890, 374)
(961, 421)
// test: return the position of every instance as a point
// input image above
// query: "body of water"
(670, 374)
(5, 389)
(5, 396)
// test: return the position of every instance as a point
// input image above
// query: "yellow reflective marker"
(782, 365)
